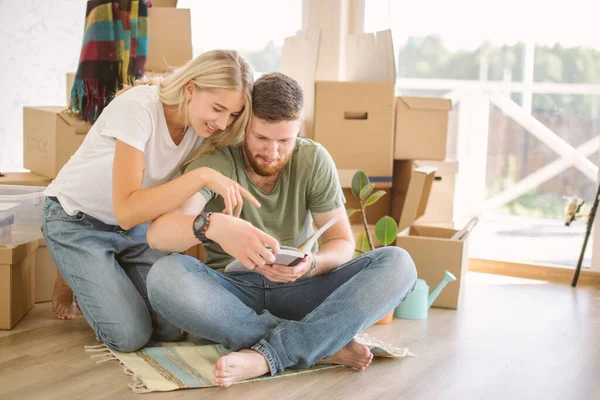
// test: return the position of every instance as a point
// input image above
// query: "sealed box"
(50, 138)
(421, 130)
(169, 38)
(17, 293)
(353, 116)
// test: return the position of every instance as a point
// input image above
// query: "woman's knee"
(127, 337)
(163, 271)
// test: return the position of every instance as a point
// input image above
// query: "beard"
(265, 170)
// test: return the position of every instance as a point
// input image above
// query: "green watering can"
(417, 303)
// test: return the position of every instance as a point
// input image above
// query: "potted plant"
(385, 229)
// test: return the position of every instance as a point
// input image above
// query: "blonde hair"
(215, 69)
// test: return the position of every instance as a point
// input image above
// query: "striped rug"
(165, 367)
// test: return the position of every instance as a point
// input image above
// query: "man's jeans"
(106, 267)
(290, 324)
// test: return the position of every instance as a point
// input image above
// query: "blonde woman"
(126, 174)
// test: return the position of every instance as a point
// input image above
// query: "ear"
(189, 89)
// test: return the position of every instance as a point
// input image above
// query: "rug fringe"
(102, 358)
(138, 386)
(96, 346)
(387, 350)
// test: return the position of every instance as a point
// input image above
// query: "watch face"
(198, 222)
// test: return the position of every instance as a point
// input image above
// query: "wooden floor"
(512, 338)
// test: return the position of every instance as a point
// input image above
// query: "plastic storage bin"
(21, 209)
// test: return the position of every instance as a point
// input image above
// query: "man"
(275, 316)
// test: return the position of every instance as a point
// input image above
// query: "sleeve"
(221, 160)
(128, 119)
(325, 192)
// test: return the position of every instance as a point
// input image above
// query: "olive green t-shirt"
(308, 183)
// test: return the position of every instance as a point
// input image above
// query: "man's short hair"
(276, 98)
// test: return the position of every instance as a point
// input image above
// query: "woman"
(127, 173)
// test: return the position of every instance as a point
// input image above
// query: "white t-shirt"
(137, 118)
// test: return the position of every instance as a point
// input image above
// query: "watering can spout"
(448, 277)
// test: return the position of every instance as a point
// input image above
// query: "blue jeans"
(106, 267)
(292, 324)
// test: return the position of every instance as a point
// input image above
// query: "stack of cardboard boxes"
(50, 138)
(399, 142)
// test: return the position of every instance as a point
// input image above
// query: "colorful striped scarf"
(114, 50)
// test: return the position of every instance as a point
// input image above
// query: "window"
(498, 44)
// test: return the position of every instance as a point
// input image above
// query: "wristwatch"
(200, 226)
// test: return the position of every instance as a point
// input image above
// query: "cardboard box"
(24, 178)
(434, 250)
(50, 137)
(70, 80)
(17, 293)
(374, 212)
(421, 128)
(352, 118)
(410, 192)
(164, 3)
(169, 38)
(354, 122)
(45, 273)
(440, 207)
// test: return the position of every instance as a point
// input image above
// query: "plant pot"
(387, 319)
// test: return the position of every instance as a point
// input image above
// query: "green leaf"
(359, 181)
(362, 243)
(374, 197)
(386, 230)
(366, 191)
(351, 212)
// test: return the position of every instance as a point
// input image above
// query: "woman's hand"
(232, 193)
(241, 240)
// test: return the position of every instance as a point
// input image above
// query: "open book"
(288, 255)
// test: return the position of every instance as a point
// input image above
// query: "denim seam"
(260, 348)
(239, 282)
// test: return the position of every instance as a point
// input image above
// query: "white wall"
(40, 42)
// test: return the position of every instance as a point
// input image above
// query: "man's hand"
(283, 273)
(241, 240)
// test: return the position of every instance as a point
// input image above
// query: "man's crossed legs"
(270, 326)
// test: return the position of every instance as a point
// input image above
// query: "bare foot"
(354, 354)
(239, 366)
(62, 299)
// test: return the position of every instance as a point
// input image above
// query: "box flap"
(369, 57)
(299, 60)
(417, 195)
(50, 109)
(74, 122)
(12, 254)
(425, 103)
(446, 167)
